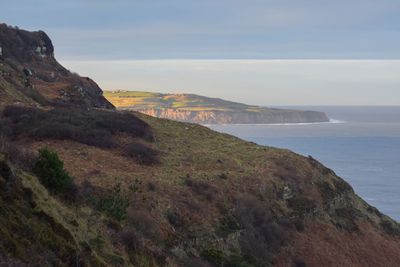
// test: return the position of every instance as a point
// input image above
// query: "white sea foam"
(336, 121)
(331, 121)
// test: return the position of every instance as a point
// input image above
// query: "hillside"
(205, 110)
(155, 192)
(29, 73)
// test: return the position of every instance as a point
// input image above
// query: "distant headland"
(200, 109)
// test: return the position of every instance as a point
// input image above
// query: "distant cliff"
(200, 109)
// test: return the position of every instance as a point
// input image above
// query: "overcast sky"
(162, 45)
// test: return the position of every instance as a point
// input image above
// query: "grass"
(145, 100)
(98, 128)
(191, 208)
(35, 227)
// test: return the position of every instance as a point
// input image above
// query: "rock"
(24, 51)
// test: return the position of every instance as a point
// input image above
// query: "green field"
(143, 100)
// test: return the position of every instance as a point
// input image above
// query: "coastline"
(331, 121)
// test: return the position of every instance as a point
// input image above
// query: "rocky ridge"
(29, 72)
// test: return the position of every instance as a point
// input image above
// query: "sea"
(361, 144)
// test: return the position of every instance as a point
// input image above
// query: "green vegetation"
(142, 153)
(90, 127)
(185, 195)
(201, 109)
(50, 169)
(141, 100)
(213, 255)
(192, 208)
(390, 227)
(302, 206)
(113, 204)
(228, 225)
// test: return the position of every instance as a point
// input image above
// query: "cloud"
(90, 29)
(261, 82)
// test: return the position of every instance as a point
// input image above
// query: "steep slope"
(241, 205)
(200, 109)
(29, 73)
(156, 192)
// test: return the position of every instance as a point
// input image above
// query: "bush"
(196, 262)
(145, 224)
(213, 256)
(130, 240)
(302, 206)
(50, 169)
(90, 127)
(72, 193)
(142, 153)
(346, 219)
(23, 158)
(112, 204)
(228, 225)
(174, 218)
(202, 188)
(262, 235)
(390, 227)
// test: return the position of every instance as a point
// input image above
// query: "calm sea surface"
(362, 145)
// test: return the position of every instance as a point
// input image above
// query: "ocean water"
(361, 144)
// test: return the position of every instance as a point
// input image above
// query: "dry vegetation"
(240, 205)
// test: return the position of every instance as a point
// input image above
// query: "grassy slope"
(36, 228)
(142, 100)
(223, 171)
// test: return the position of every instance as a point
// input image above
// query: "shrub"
(50, 169)
(239, 261)
(145, 224)
(213, 256)
(228, 225)
(71, 193)
(142, 153)
(174, 218)
(23, 158)
(261, 234)
(302, 206)
(151, 186)
(342, 187)
(345, 219)
(90, 127)
(130, 240)
(196, 262)
(390, 227)
(299, 263)
(202, 188)
(112, 204)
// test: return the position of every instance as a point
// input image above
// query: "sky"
(296, 52)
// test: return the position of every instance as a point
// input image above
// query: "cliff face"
(29, 73)
(200, 109)
(238, 117)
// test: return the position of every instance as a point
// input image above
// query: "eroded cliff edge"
(199, 109)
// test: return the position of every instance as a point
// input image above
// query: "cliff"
(29, 73)
(155, 192)
(205, 110)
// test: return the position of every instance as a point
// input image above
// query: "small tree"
(50, 169)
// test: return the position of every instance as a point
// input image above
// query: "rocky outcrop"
(269, 116)
(29, 73)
